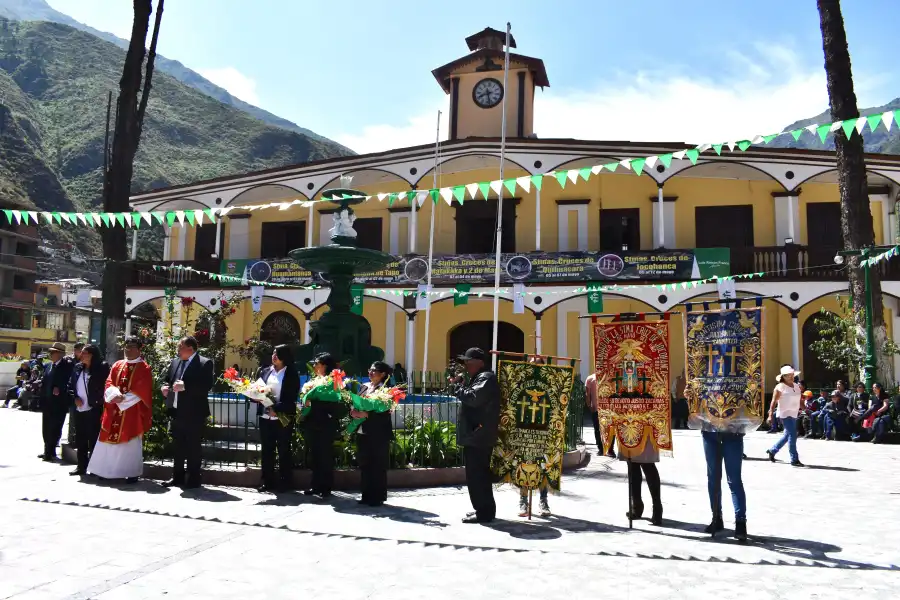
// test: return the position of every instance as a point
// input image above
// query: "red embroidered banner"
(631, 365)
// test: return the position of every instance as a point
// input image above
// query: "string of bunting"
(460, 192)
(886, 255)
(231, 278)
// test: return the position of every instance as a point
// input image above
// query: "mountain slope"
(39, 10)
(886, 142)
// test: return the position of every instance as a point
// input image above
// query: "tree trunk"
(117, 181)
(856, 214)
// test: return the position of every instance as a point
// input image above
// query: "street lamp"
(871, 366)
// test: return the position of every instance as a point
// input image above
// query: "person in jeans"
(786, 400)
(815, 416)
(836, 413)
(725, 447)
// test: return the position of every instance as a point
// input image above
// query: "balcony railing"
(776, 263)
(14, 295)
(25, 263)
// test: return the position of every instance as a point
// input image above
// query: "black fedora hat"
(472, 354)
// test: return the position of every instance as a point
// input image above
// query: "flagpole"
(437, 146)
(500, 199)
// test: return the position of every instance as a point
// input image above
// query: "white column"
(239, 238)
(182, 242)
(795, 339)
(538, 343)
(134, 244)
(892, 221)
(326, 222)
(410, 344)
(218, 238)
(661, 220)
(127, 327)
(787, 218)
(537, 221)
(306, 329)
(394, 232)
(391, 319)
(167, 243)
(309, 227)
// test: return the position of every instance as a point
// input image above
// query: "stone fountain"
(340, 332)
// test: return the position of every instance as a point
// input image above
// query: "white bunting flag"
(382, 196)
(65, 217)
(256, 297)
(97, 220)
(651, 161)
(496, 185)
(33, 214)
(572, 175)
(887, 118)
(81, 218)
(48, 217)
(198, 214)
(596, 169)
(147, 218)
(678, 155)
(524, 183)
(128, 218)
(472, 188)
(18, 215)
(447, 195)
(179, 214)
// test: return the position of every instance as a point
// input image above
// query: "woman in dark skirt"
(284, 381)
(374, 442)
(321, 428)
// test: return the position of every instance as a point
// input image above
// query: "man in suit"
(477, 426)
(186, 390)
(54, 398)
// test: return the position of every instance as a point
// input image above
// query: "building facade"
(765, 210)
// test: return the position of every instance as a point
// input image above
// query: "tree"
(856, 215)
(120, 166)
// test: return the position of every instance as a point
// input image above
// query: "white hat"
(787, 370)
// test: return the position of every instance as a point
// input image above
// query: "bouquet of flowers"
(257, 391)
(383, 399)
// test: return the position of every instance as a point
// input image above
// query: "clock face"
(488, 93)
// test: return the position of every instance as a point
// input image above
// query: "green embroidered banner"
(534, 402)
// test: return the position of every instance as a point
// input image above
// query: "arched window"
(815, 373)
(280, 328)
(480, 334)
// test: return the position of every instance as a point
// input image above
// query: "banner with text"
(631, 361)
(534, 403)
(724, 355)
(532, 267)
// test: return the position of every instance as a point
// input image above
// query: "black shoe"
(173, 483)
(131, 480)
(715, 526)
(636, 512)
(771, 455)
(264, 489)
(78, 472)
(310, 493)
(476, 519)
(191, 486)
(740, 531)
(797, 463)
(656, 519)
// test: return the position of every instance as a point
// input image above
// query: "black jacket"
(479, 411)
(198, 378)
(286, 403)
(377, 425)
(96, 385)
(57, 376)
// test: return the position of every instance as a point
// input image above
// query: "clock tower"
(475, 86)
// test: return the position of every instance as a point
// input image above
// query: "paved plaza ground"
(828, 531)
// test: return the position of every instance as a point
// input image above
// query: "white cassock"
(118, 461)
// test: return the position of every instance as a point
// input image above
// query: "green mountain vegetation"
(54, 83)
(881, 141)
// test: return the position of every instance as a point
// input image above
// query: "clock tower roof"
(487, 51)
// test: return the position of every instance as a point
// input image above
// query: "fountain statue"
(340, 332)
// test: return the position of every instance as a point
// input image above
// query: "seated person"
(859, 404)
(808, 408)
(22, 375)
(836, 413)
(877, 420)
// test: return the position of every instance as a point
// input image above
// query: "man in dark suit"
(54, 398)
(186, 390)
(477, 426)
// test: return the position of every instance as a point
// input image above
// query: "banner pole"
(530, 499)
(630, 500)
(717, 501)
(437, 145)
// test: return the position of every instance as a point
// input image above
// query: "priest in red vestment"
(126, 418)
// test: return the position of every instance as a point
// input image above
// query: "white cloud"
(760, 94)
(234, 82)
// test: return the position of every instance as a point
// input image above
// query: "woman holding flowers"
(322, 423)
(375, 435)
(276, 423)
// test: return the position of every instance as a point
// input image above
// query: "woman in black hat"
(375, 435)
(321, 426)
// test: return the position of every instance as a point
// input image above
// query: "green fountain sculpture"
(342, 333)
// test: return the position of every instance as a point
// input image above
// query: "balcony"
(27, 232)
(777, 263)
(20, 263)
(19, 296)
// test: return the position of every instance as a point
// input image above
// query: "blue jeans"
(836, 422)
(727, 448)
(789, 438)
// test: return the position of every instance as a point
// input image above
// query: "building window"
(368, 233)
(56, 320)
(823, 225)
(476, 227)
(15, 318)
(620, 230)
(280, 238)
(8, 347)
(724, 226)
(205, 242)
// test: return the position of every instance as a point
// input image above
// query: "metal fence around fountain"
(424, 430)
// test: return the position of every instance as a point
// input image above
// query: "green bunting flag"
(459, 192)
(510, 185)
(692, 154)
(638, 165)
(537, 180)
(595, 301)
(561, 177)
(718, 148)
(823, 131)
(105, 218)
(484, 187)
(356, 293)
(461, 295)
(666, 160)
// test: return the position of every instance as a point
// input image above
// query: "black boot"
(740, 531)
(636, 512)
(716, 525)
(656, 519)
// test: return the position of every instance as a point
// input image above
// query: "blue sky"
(360, 71)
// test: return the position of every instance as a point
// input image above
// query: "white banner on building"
(518, 298)
(83, 299)
(256, 296)
(726, 291)
(422, 297)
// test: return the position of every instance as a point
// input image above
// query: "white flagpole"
(500, 198)
(437, 145)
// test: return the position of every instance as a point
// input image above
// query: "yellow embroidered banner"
(631, 362)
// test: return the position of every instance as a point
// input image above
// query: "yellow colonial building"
(762, 210)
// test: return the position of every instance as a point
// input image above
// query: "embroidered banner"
(631, 361)
(724, 355)
(534, 402)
